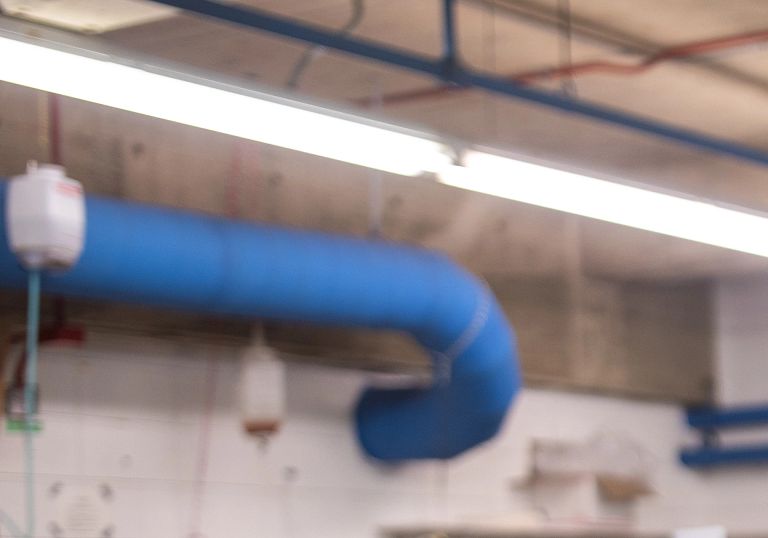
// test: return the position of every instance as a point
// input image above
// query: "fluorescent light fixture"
(246, 114)
(280, 121)
(637, 207)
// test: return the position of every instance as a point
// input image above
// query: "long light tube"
(677, 216)
(284, 122)
(250, 115)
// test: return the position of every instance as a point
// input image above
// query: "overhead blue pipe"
(168, 258)
(262, 20)
(453, 73)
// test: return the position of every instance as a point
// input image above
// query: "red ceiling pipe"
(673, 53)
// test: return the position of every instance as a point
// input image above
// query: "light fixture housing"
(636, 206)
(119, 82)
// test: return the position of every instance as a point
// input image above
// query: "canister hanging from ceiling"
(262, 390)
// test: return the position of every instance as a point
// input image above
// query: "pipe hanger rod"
(450, 55)
(436, 67)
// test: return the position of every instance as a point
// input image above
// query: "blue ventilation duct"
(166, 258)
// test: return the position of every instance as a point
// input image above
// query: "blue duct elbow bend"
(167, 258)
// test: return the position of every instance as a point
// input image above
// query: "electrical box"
(45, 217)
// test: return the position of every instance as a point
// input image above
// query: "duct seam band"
(445, 359)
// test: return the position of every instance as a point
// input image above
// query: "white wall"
(742, 320)
(737, 497)
(133, 413)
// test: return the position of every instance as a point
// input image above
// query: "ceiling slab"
(87, 16)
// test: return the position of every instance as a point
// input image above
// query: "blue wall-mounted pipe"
(167, 258)
(709, 457)
(450, 71)
(732, 417)
(708, 421)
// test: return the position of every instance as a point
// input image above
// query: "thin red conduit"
(673, 53)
